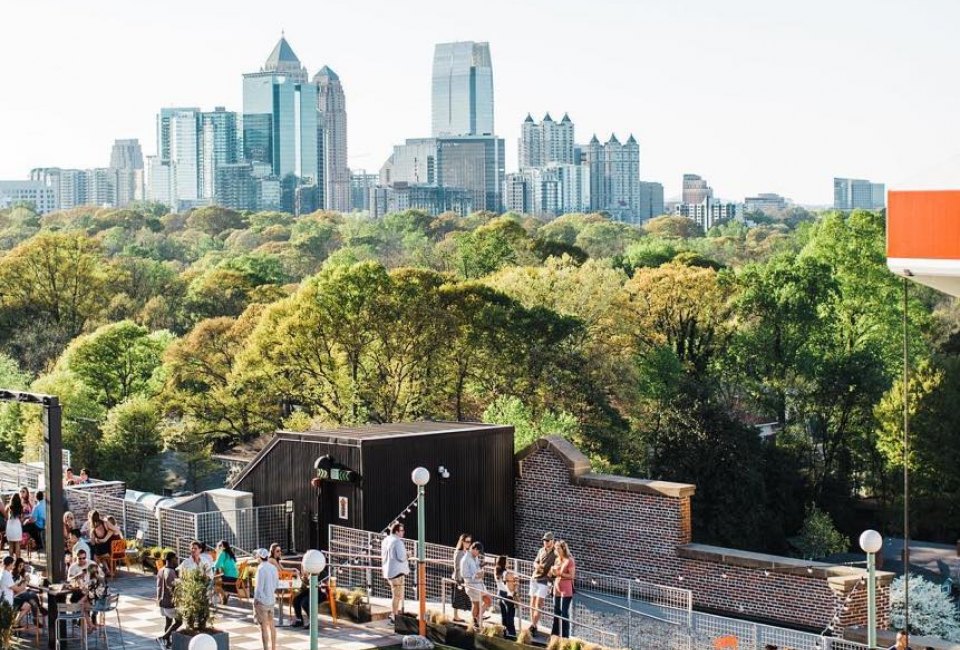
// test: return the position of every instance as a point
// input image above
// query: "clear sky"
(754, 95)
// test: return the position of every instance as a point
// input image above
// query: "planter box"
(499, 643)
(359, 613)
(181, 640)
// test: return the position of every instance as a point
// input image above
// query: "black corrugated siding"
(477, 498)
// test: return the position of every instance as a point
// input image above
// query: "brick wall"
(642, 529)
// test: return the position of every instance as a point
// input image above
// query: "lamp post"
(871, 542)
(420, 477)
(314, 562)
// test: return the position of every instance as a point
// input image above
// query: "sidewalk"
(142, 624)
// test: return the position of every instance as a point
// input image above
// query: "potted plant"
(8, 618)
(191, 597)
(350, 604)
(149, 558)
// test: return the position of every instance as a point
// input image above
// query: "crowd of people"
(554, 572)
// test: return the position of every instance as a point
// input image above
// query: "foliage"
(527, 428)
(932, 612)
(819, 537)
(8, 618)
(192, 600)
(131, 444)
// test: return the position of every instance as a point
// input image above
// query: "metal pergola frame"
(53, 468)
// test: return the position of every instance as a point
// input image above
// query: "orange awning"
(923, 237)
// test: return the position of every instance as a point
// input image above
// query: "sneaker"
(297, 623)
(392, 620)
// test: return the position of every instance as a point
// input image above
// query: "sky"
(753, 95)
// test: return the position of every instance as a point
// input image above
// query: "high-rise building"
(184, 156)
(614, 177)
(160, 186)
(547, 142)
(360, 185)
(429, 198)
(651, 200)
(708, 213)
(858, 194)
(219, 146)
(473, 163)
(126, 158)
(548, 191)
(695, 190)
(163, 128)
(462, 89)
(36, 194)
(78, 187)
(332, 120)
(765, 202)
(280, 117)
(126, 154)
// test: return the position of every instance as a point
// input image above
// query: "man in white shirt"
(197, 560)
(393, 556)
(78, 544)
(6, 580)
(264, 599)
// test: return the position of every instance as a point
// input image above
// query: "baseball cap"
(547, 536)
(263, 553)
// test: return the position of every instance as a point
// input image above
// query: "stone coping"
(839, 576)
(579, 467)
(886, 638)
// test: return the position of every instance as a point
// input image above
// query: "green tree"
(527, 427)
(819, 537)
(214, 220)
(131, 444)
(671, 226)
(11, 415)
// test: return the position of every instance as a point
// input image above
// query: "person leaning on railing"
(507, 591)
(564, 572)
(460, 601)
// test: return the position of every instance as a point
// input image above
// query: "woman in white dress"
(15, 525)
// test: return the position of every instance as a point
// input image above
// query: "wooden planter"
(451, 634)
(181, 640)
(481, 642)
(359, 613)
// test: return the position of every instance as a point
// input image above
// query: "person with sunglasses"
(460, 602)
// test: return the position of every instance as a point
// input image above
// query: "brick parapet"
(642, 529)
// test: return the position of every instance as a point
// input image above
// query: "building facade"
(126, 154)
(462, 90)
(36, 194)
(219, 146)
(280, 117)
(547, 142)
(708, 213)
(858, 194)
(614, 177)
(766, 202)
(361, 183)
(332, 121)
(429, 198)
(695, 190)
(651, 200)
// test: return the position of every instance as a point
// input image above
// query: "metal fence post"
(256, 526)
(160, 527)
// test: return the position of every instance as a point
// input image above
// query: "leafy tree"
(117, 361)
(819, 537)
(671, 226)
(11, 416)
(214, 220)
(527, 427)
(932, 612)
(649, 252)
(132, 443)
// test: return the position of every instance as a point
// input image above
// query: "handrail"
(627, 609)
(603, 634)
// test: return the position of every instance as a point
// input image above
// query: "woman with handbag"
(565, 571)
(507, 592)
(460, 601)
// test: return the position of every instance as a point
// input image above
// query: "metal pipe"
(906, 464)
(421, 564)
(314, 640)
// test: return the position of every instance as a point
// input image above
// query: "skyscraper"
(218, 147)
(163, 128)
(547, 142)
(126, 154)
(184, 156)
(332, 119)
(126, 158)
(614, 177)
(462, 89)
(280, 117)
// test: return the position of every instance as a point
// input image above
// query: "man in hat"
(541, 579)
(264, 599)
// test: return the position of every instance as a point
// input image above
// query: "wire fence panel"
(13, 476)
(246, 529)
(833, 643)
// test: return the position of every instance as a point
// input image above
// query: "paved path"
(142, 623)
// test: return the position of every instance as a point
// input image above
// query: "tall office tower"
(35, 193)
(126, 154)
(332, 119)
(160, 182)
(184, 156)
(858, 194)
(78, 187)
(708, 213)
(360, 185)
(280, 119)
(163, 128)
(547, 142)
(126, 158)
(218, 147)
(766, 202)
(651, 200)
(614, 177)
(462, 89)
(695, 190)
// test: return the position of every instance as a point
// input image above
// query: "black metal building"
(361, 478)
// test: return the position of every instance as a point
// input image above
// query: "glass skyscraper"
(280, 116)
(462, 89)
(218, 139)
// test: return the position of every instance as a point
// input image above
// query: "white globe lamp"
(420, 476)
(871, 541)
(314, 562)
(203, 642)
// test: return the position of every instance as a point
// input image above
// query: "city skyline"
(771, 117)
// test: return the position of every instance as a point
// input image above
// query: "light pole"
(203, 642)
(314, 562)
(420, 477)
(871, 542)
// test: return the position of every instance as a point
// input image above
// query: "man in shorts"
(264, 599)
(393, 556)
(540, 580)
(471, 569)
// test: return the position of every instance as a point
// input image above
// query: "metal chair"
(71, 613)
(104, 606)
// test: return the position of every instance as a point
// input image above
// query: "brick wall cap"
(579, 467)
(887, 638)
(840, 576)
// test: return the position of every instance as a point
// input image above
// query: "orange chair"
(291, 593)
(118, 553)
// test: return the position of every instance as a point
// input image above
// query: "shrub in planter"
(192, 600)
(8, 616)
